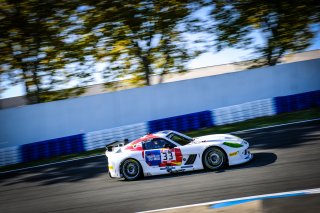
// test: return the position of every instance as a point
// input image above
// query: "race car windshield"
(179, 139)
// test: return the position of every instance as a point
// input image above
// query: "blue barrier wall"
(52, 148)
(296, 102)
(192, 121)
(182, 123)
(57, 119)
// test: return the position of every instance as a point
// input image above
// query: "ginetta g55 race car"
(170, 151)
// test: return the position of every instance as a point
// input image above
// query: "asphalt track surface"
(285, 159)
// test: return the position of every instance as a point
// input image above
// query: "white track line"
(307, 191)
(237, 132)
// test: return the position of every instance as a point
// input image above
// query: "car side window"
(178, 139)
(157, 143)
(147, 145)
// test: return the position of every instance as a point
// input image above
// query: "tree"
(286, 26)
(137, 38)
(35, 48)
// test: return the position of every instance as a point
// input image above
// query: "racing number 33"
(167, 155)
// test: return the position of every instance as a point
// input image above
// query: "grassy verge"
(253, 123)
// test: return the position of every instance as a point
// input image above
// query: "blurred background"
(182, 65)
(53, 50)
(81, 74)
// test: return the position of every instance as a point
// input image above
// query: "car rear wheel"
(214, 158)
(131, 169)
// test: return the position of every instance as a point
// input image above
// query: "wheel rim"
(131, 169)
(214, 158)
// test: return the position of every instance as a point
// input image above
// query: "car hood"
(218, 138)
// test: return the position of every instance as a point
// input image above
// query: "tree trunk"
(36, 82)
(147, 70)
(145, 62)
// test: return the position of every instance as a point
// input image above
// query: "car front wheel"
(214, 158)
(131, 169)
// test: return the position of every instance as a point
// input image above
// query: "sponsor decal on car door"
(171, 157)
(153, 157)
(163, 157)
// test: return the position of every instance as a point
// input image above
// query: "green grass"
(248, 124)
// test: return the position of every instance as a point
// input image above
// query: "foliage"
(34, 48)
(54, 44)
(286, 26)
(138, 38)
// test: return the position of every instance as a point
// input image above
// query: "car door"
(162, 155)
(191, 153)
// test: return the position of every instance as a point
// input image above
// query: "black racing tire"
(131, 169)
(214, 158)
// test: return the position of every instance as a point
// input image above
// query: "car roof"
(134, 145)
(163, 133)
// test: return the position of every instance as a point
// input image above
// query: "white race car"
(170, 151)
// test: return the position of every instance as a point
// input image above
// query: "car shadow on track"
(259, 160)
(91, 168)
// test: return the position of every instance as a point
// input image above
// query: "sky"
(229, 55)
(204, 60)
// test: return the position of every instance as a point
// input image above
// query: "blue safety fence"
(100, 138)
(244, 111)
(219, 116)
(52, 148)
(185, 122)
(297, 102)
(10, 155)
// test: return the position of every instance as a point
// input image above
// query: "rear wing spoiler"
(115, 145)
(109, 148)
(112, 148)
